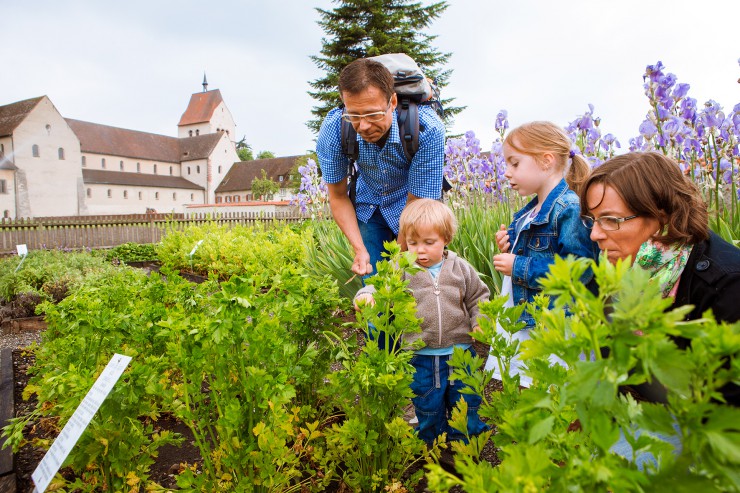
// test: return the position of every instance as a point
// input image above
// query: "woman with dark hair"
(640, 207)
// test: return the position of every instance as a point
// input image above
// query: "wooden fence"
(80, 232)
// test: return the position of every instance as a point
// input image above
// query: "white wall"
(7, 199)
(127, 199)
(51, 183)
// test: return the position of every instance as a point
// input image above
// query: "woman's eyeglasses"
(607, 223)
(368, 117)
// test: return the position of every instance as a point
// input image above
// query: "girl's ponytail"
(577, 172)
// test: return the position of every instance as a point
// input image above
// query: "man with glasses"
(387, 180)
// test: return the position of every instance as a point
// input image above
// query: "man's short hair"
(428, 213)
(363, 73)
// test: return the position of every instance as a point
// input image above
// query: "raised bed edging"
(7, 407)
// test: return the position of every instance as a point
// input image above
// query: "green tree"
(244, 150)
(262, 187)
(364, 28)
(266, 155)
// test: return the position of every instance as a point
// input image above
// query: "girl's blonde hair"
(428, 213)
(539, 138)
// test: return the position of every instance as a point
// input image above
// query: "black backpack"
(412, 89)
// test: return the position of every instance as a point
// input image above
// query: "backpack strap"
(351, 149)
(408, 126)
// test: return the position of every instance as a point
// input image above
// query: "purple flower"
(648, 129)
(502, 122)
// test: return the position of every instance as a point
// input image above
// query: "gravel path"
(19, 340)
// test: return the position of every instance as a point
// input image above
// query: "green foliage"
(475, 239)
(258, 356)
(244, 150)
(264, 187)
(132, 252)
(630, 340)
(373, 447)
(223, 251)
(266, 155)
(363, 28)
(330, 254)
(238, 362)
(49, 273)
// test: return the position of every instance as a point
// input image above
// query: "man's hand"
(502, 239)
(362, 266)
(504, 263)
(364, 299)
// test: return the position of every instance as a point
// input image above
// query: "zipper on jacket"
(435, 280)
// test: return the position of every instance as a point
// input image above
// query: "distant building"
(56, 166)
(237, 184)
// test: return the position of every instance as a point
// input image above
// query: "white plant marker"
(81, 418)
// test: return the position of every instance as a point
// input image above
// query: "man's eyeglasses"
(368, 117)
(607, 223)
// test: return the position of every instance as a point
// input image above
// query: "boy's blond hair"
(430, 213)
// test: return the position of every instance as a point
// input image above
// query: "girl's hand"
(502, 239)
(504, 263)
(364, 299)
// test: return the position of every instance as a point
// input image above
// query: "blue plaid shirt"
(386, 178)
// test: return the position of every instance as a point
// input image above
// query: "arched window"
(121, 165)
(219, 169)
(2, 149)
(138, 167)
(155, 169)
(174, 195)
(197, 132)
(35, 150)
(102, 163)
(140, 195)
(61, 153)
(192, 197)
(110, 193)
(125, 194)
(188, 169)
(89, 193)
(190, 133)
(197, 169)
(84, 161)
(156, 195)
(170, 170)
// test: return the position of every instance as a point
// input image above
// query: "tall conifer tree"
(363, 28)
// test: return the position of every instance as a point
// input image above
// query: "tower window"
(35, 150)
(61, 153)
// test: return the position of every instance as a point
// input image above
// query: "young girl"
(539, 162)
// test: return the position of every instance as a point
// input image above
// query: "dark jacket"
(710, 280)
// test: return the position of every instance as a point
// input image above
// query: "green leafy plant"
(373, 447)
(557, 434)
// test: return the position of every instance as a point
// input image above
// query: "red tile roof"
(201, 107)
(198, 147)
(102, 139)
(241, 174)
(104, 177)
(11, 115)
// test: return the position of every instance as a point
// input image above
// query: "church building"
(56, 166)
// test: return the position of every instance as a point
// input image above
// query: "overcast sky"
(134, 64)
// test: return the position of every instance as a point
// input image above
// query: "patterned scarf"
(665, 264)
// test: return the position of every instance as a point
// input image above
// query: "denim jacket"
(556, 230)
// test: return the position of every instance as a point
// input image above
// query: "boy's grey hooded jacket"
(448, 306)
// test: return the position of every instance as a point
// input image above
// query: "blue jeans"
(435, 396)
(374, 233)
